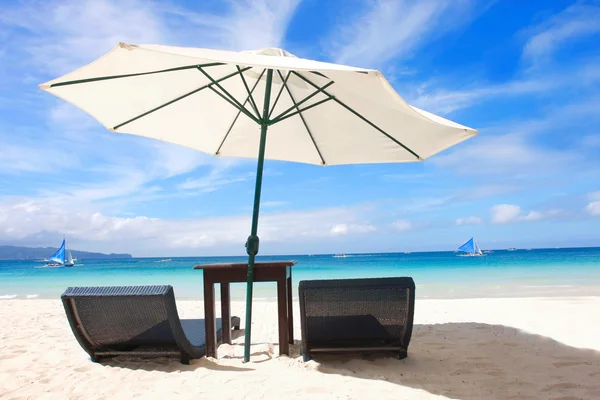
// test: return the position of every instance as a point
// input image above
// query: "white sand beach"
(532, 348)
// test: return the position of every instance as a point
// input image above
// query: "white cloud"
(593, 208)
(42, 221)
(403, 225)
(395, 28)
(508, 213)
(575, 22)
(468, 221)
(505, 213)
(345, 229)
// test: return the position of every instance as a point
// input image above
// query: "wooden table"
(274, 271)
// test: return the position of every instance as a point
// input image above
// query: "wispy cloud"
(247, 24)
(502, 154)
(388, 29)
(468, 221)
(575, 22)
(213, 180)
(273, 204)
(434, 97)
(508, 213)
(403, 225)
(65, 34)
(441, 100)
(54, 37)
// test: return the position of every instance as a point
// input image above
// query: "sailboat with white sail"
(62, 257)
(470, 249)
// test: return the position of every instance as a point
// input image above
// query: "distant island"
(39, 253)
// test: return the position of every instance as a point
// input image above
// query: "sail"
(468, 247)
(59, 256)
(69, 257)
(477, 250)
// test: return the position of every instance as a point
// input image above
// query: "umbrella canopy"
(215, 101)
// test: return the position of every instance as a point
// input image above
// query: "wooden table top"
(264, 264)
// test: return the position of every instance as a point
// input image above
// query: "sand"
(532, 348)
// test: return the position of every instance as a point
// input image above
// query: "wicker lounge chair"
(356, 315)
(134, 320)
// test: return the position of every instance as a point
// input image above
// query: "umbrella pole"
(252, 242)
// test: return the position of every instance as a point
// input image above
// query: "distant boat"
(340, 256)
(165, 260)
(62, 257)
(511, 249)
(470, 249)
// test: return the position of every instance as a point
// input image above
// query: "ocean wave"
(32, 296)
(8, 296)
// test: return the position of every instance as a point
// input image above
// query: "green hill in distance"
(39, 253)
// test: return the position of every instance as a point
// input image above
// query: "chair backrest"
(122, 316)
(357, 311)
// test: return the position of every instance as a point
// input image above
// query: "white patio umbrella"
(216, 101)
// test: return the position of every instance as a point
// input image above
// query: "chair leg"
(305, 355)
(184, 359)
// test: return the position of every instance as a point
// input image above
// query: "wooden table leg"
(225, 313)
(290, 305)
(209, 317)
(282, 310)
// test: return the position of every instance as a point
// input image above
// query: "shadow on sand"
(480, 361)
(172, 364)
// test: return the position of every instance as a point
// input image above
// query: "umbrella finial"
(127, 46)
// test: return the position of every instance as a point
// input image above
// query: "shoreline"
(535, 291)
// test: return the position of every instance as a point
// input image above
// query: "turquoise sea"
(502, 273)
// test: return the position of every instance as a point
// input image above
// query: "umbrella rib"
(301, 110)
(280, 90)
(233, 101)
(104, 78)
(240, 108)
(176, 100)
(238, 114)
(289, 91)
(347, 107)
(252, 102)
(310, 96)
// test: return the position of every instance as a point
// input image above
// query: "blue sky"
(526, 75)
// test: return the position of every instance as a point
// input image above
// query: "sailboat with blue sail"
(470, 249)
(62, 257)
